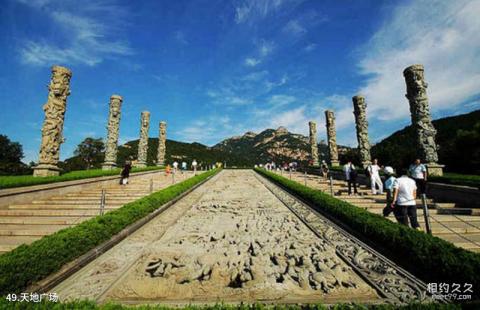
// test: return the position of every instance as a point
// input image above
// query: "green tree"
(11, 154)
(90, 151)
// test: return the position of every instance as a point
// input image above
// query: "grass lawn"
(27, 180)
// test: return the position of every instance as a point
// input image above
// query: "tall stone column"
(313, 143)
(162, 147)
(52, 130)
(332, 138)
(143, 143)
(359, 109)
(421, 119)
(112, 133)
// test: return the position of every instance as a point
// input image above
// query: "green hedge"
(28, 180)
(111, 306)
(430, 258)
(457, 179)
(30, 263)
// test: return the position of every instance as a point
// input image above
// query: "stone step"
(6, 248)
(73, 202)
(98, 195)
(17, 240)
(92, 199)
(30, 220)
(63, 207)
(71, 213)
(21, 230)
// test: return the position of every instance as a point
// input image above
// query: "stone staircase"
(27, 222)
(459, 226)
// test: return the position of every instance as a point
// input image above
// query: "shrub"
(27, 180)
(431, 259)
(30, 263)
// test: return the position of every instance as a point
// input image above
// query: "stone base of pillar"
(435, 169)
(316, 164)
(160, 164)
(46, 170)
(141, 165)
(334, 163)
(109, 166)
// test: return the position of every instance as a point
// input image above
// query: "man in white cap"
(389, 182)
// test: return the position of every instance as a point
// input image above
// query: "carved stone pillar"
(162, 147)
(359, 109)
(421, 119)
(52, 130)
(110, 161)
(313, 143)
(143, 143)
(332, 138)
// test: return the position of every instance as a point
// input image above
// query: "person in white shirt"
(194, 165)
(375, 180)
(184, 166)
(418, 172)
(351, 177)
(175, 167)
(405, 191)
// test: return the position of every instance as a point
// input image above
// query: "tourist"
(125, 173)
(374, 173)
(168, 169)
(324, 168)
(405, 206)
(351, 177)
(184, 166)
(418, 172)
(194, 165)
(389, 190)
(175, 167)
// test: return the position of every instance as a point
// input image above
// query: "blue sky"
(214, 69)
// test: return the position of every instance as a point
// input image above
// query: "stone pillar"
(332, 138)
(52, 130)
(359, 109)
(110, 161)
(162, 139)
(143, 143)
(313, 143)
(421, 119)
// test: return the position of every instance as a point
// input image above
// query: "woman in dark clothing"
(125, 173)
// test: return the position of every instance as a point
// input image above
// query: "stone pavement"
(25, 223)
(461, 230)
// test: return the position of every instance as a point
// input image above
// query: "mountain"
(270, 145)
(458, 140)
(247, 150)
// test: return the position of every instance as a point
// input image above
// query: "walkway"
(461, 230)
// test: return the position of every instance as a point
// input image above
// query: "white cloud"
(85, 33)
(252, 10)
(266, 48)
(252, 62)
(281, 100)
(180, 37)
(294, 27)
(441, 35)
(255, 76)
(310, 47)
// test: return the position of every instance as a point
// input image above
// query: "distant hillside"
(270, 145)
(458, 138)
